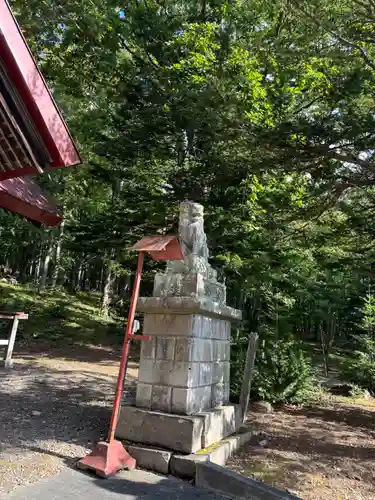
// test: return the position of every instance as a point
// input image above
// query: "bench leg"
(8, 362)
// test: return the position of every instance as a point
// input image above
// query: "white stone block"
(163, 372)
(197, 325)
(216, 348)
(168, 324)
(226, 396)
(228, 328)
(190, 401)
(147, 368)
(175, 432)
(143, 397)
(185, 375)
(151, 458)
(194, 349)
(206, 327)
(226, 366)
(161, 398)
(184, 349)
(206, 374)
(148, 349)
(219, 423)
(227, 351)
(206, 350)
(217, 395)
(165, 348)
(223, 350)
(218, 373)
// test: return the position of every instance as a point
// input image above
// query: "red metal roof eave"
(34, 90)
(24, 197)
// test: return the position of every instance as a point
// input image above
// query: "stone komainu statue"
(194, 276)
(192, 237)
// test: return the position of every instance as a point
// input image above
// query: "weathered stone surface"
(190, 401)
(143, 396)
(148, 349)
(175, 432)
(151, 458)
(193, 285)
(194, 349)
(184, 466)
(165, 348)
(217, 395)
(205, 374)
(185, 368)
(193, 242)
(219, 423)
(164, 324)
(185, 349)
(217, 478)
(186, 305)
(161, 398)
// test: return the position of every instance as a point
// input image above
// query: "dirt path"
(322, 453)
(52, 407)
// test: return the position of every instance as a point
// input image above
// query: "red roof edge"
(33, 89)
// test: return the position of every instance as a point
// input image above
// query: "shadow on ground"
(51, 417)
(135, 485)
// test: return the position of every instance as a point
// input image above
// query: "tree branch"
(339, 37)
(342, 157)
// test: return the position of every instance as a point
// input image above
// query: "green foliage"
(262, 111)
(282, 372)
(58, 317)
(360, 367)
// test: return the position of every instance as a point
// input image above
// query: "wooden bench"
(9, 342)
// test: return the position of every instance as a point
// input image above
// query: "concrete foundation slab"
(185, 433)
(219, 479)
(184, 466)
(134, 485)
(220, 423)
(151, 458)
(175, 432)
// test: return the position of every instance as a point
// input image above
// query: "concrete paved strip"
(135, 485)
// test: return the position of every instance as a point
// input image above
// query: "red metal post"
(125, 349)
(109, 457)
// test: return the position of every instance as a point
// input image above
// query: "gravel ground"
(319, 453)
(52, 408)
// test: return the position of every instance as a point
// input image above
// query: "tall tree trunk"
(46, 263)
(38, 264)
(56, 270)
(107, 292)
(77, 275)
(108, 284)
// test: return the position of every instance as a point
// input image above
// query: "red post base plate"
(107, 458)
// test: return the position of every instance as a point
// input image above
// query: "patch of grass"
(59, 318)
(271, 473)
(354, 400)
(335, 359)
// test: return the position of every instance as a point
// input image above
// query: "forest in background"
(261, 110)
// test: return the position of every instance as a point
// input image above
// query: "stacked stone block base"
(185, 368)
(186, 434)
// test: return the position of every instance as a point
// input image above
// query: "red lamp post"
(108, 457)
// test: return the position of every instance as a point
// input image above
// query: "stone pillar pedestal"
(185, 368)
(182, 400)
